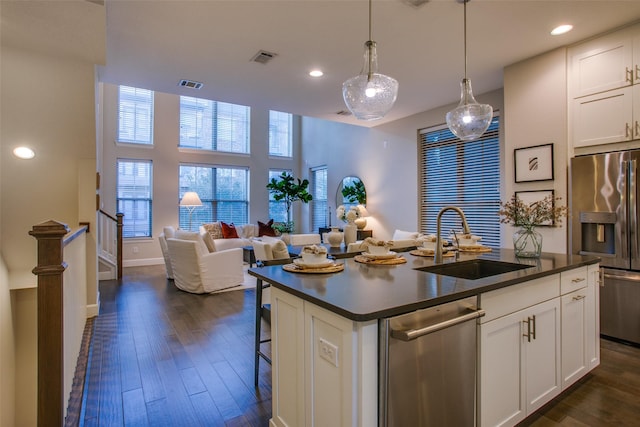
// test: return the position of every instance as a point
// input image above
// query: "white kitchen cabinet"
(324, 368)
(592, 306)
(580, 323)
(519, 363)
(574, 334)
(607, 117)
(603, 64)
(604, 94)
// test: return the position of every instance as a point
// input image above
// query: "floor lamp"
(190, 201)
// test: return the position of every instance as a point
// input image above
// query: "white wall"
(166, 158)
(46, 102)
(536, 113)
(384, 157)
(7, 348)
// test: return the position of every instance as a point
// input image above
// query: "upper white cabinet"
(603, 64)
(604, 89)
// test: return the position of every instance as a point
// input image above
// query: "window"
(277, 208)
(463, 174)
(135, 115)
(319, 204)
(214, 126)
(134, 196)
(222, 190)
(280, 134)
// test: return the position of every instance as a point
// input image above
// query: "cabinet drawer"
(573, 279)
(508, 300)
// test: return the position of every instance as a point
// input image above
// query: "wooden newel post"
(49, 270)
(119, 243)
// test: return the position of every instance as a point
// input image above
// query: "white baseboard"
(142, 262)
(93, 309)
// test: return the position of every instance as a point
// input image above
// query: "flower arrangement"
(543, 212)
(347, 215)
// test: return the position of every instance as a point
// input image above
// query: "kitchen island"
(325, 330)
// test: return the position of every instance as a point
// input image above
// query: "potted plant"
(289, 189)
(527, 242)
(355, 193)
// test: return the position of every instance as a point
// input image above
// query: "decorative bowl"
(378, 250)
(311, 258)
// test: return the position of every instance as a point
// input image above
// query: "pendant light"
(469, 120)
(370, 95)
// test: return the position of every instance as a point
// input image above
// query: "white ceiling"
(154, 44)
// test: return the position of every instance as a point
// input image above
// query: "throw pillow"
(266, 229)
(229, 231)
(280, 250)
(214, 229)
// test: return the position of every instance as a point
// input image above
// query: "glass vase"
(527, 243)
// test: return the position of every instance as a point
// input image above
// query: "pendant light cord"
(465, 39)
(370, 46)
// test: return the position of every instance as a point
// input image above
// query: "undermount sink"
(473, 269)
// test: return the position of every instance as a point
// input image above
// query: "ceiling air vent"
(344, 113)
(190, 84)
(263, 56)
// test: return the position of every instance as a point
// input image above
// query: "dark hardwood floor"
(163, 357)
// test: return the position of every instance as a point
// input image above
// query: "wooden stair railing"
(49, 271)
(105, 237)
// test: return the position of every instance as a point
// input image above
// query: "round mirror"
(351, 192)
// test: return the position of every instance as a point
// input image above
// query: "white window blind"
(319, 204)
(223, 190)
(277, 208)
(134, 196)
(214, 126)
(462, 174)
(135, 115)
(280, 134)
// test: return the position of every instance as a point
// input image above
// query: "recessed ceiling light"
(316, 73)
(561, 29)
(24, 153)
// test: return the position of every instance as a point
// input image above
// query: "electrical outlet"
(135, 249)
(328, 352)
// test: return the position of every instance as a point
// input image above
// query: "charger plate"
(333, 268)
(390, 261)
(418, 252)
(474, 248)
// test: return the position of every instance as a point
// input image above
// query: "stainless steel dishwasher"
(428, 366)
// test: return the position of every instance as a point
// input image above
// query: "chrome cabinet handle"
(628, 75)
(637, 129)
(578, 280)
(637, 72)
(578, 297)
(412, 334)
(628, 132)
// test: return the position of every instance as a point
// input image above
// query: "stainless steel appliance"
(428, 366)
(605, 203)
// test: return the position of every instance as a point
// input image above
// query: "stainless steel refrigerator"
(605, 203)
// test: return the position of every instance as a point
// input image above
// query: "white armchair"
(197, 271)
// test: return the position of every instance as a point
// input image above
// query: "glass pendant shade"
(370, 95)
(469, 120)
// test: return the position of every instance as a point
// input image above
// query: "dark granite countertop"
(366, 292)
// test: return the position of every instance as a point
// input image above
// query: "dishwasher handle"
(412, 334)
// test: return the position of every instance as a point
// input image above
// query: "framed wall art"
(533, 163)
(530, 197)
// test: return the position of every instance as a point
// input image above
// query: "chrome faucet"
(437, 259)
